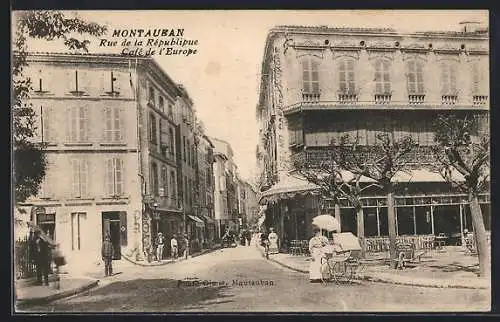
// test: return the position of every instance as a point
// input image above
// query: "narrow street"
(229, 271)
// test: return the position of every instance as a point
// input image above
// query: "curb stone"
(21, 303)
(373, 278)
(153, 264)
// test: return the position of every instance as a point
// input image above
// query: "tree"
(333, 183)
(380, 162)
(29, 156)
(460, 148)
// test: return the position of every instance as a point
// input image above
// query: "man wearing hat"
(107, 252)
(160, 241)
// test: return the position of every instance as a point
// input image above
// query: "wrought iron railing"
(25, 266)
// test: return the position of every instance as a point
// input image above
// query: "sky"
(223, 77)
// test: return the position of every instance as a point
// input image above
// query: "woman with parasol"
(318, 243)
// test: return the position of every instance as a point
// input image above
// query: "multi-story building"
(113, 127)
(205, 184)
(247, 203)
(320, 83)
(225, 195)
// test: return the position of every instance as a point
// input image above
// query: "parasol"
(326, 222)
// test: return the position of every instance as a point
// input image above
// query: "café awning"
(198, 222)
(208, 220)
(287, 188)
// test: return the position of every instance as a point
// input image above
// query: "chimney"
(470, 26)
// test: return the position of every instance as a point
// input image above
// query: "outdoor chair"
(305, 247)
(406, 254)
(470, 245)
(295, 247)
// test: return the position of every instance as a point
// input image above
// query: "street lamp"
(156, 216)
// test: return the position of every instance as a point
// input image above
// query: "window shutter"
(75, 172)
(72, 124)
(109, 177)
(121, 124)
(411, 77)
(119, 176)
(342, 76)
(475, 78)
(108, 125)
(387, 77)
(119, 79)
(444, 79)
(123, 228)
(314, 76)
(116, 123)
(351, 76)
(70, 81)
(420, 77)
(47, 126)
(378, 77)
(453, 78)
(305, 76)
(82, 124)
(84, 177)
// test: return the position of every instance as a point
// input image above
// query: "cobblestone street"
(277, 289)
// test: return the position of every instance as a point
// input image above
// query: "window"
(382, 77)
(193, 155)
(114, 85)
(154, 179)
(114, 177)
(478, 77)
(185, 190)
(76, 89)
(77, 220)
(449, 78)
(164, 181)
(113, 124)
(48, 126)
(310, 76)
(80, 177)
(172, 141)
(170, 110)
(152, 129)
(161, 104)
(47, 222)
(151, 98)
(346, 76)
(78, 125)
(172, 184)
(415, 77)
(184, 147)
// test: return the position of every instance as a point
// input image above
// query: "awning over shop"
(287, 188)
(209, 220)
(292, 186)
(197, 220)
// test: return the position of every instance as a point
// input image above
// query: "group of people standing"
(43, 252)
(161, 241)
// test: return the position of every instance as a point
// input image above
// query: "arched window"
(382, 77)
(310, 76)
(346, 76)
(415, 77)
(154, 179)
(152, 129)
(449, 72)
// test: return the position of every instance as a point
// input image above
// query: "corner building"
(320, 83)
(112, 126)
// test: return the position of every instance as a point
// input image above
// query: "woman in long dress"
(273, 242)
(316, 245)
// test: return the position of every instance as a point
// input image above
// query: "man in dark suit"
(107, 252)
(42, 259)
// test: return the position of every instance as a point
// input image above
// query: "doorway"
(111, 228)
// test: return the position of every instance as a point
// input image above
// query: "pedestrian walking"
(160, 242)
(186, 246)
(174, 249)
(273, 242)
(42, 259)
(107, 252)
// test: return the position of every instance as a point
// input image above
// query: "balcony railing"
(382, 98)
(348, 98)
(416, 98)
(311, 97)
(479, 99)
(449, 99)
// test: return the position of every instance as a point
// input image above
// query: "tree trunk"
(391, 218)
(480, 236)
(361, 229)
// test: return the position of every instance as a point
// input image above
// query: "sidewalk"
(451, 268)
(27, 294)
(168, 261)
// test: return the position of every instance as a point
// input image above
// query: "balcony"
(449, 99)
(416, 99)
(382, 98)
(478, 100)
(348, 98)
(310, 97)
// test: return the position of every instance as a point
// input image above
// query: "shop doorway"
(111, 227)
(47, 222)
